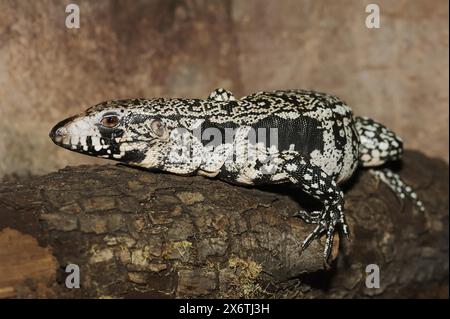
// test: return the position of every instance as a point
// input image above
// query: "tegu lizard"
(305, 138)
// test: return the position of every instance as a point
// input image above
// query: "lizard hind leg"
(378, 144)
(398, 186)
(318, 184)
(310, 217)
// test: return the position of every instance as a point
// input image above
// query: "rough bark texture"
(139, 234)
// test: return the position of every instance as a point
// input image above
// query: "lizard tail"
(378, 144)
(398, 186)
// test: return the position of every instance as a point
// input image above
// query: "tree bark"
(134, 233)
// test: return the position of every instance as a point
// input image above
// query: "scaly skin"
(305, 138)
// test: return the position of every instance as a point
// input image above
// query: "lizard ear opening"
(158, 127)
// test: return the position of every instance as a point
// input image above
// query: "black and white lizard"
(315, 143)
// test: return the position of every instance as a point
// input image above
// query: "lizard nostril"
(61, 131)
(57, 133)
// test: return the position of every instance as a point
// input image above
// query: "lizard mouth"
(82, 144)
(94, 145)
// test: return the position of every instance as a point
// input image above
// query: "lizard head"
(119, 130)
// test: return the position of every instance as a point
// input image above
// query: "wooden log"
(134, 233)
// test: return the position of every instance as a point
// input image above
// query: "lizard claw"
(326, 223)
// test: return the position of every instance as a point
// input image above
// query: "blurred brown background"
(397, 74)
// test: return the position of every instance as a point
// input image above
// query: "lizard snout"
(59, 131)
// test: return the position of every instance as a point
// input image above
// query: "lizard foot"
(327, 222)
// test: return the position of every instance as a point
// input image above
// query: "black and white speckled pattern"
(306, 138)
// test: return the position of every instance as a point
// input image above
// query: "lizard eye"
(158, 127)
(110, 121)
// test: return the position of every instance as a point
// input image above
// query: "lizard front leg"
(320, 185)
